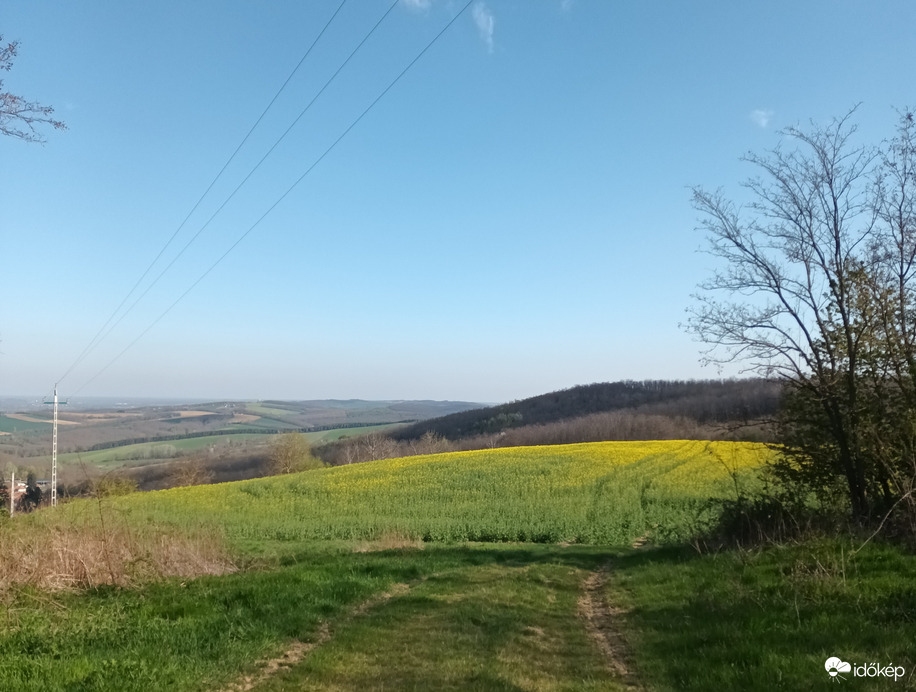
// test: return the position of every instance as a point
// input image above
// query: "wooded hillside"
(703, 402)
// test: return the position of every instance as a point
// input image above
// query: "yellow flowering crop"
(603, 492)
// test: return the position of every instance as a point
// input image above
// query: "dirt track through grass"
(298, 650)
(513, 625)
(603, 624)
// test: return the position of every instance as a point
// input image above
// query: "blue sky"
(511, 218)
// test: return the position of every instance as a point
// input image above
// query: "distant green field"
(338, 433)
(265, 422)
(11, 425)
(269, 411)
(145, 452)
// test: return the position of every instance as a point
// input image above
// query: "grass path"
(552, 619)
(477, 617)
(513, 625)
(298, 650)
(603, 622)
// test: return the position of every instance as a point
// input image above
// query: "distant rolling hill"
(118, 423)
(704, 402)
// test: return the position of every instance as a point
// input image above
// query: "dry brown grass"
(190, 414)
(389, 540)
(79, 557)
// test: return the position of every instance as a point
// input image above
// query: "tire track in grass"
(513, 625)
(508, 624)
(298, 650)
(602, 622)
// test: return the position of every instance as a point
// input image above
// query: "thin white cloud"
(566, 5)
(761, 117)
(417, 4)
(483, 19)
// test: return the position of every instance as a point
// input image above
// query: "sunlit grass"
(767, 619)
(509, 624)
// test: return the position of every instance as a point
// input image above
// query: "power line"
(283, 196)
(253, 170)
(99, 336)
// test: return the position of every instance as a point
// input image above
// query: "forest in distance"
(734, 409)
(706, 402)
(165, 445)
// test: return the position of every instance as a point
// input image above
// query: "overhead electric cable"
(283, 196)
(253, 170)
(99, 336)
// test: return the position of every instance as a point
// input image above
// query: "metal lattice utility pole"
(54, 450)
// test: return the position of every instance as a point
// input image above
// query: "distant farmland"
(10, 424)
(158, 450)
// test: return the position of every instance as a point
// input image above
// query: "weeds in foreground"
(58, 557)
(102, 549)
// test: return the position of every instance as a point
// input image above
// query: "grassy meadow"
(503, 569)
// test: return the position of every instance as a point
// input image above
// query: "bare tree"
(20, 117)
(290, 453)
(190, 471)
(378, 446)
(429, 443)
(891, 363)
(805, 293)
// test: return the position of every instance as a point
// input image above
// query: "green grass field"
(319, 436)
(269, 423)
(769, 619)
(421, 574)
(269, 411)
(12, 425)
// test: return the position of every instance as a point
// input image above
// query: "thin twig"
(881, 525)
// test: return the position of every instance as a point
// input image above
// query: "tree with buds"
(20, 117)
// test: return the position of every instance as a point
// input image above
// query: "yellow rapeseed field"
(606, 492)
